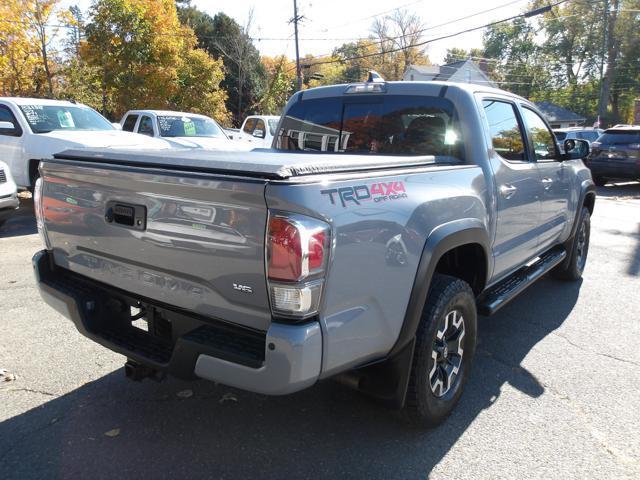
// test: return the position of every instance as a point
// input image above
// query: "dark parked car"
(616, 154)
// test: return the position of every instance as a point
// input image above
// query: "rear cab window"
(374, 124)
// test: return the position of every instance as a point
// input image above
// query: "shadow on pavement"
(23, 222)
(325, 431)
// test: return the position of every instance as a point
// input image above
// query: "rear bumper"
(285, 359)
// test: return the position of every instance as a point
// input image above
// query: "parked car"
(8, 193)
(582, 133)
(179, 128)
(616, 155)
(364, 244)
(258, 130)
(34, 128)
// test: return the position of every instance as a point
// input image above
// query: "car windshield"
(273, 124)
(188, 126)
(590, 135)
(561, 135)
(375, 124)
(46, 118)
(615, 137)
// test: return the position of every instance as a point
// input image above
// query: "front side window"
(188, 126)
(544, 144)
(506, 135)
(7, 116)
(146, 126)
(46, 118)
(383, 125)
(130, 123)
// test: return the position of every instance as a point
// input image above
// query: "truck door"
(517, 186)
(555, 179)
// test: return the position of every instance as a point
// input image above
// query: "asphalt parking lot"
(554, 393)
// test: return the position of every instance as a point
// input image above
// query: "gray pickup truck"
(363, 245)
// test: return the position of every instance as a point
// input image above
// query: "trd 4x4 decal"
(376, 192)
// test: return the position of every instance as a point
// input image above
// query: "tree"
(39, 14)
(456, 54)
(18, 52)
(224, 39)
(146, 58)
(281, 78)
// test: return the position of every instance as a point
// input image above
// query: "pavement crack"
(30, 390)
(594, 352)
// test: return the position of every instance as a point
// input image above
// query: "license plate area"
(126, 215)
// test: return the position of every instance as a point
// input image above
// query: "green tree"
(146, 59)
(225, 39)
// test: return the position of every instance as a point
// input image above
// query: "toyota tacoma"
(363, 245)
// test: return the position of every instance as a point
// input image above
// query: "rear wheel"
(573, 266)
(445, 346)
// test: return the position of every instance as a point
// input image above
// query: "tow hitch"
(137, 372)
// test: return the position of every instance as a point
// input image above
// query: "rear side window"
(384, 125)
(615, 137)
(506, 134)
(130, 123)
(248, 125)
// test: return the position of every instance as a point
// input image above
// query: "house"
(464, 71)
(559, 117)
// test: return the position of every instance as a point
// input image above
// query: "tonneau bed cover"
(260, 163)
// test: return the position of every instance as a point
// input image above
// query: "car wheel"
(599, 181)
(573, 266)
(444, 350)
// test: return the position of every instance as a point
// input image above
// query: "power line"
(527, 14)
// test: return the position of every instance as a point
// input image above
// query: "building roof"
(445, 72)
(556, 113)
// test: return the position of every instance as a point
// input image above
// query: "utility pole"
(295, 21)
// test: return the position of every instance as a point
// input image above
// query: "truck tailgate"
(190, 240)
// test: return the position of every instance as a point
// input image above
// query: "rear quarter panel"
(378, 239)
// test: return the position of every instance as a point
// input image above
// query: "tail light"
(297, 255)
(39, 211)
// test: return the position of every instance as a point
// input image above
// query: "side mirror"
(258, 133)
(116, 125)
(7, 126)
(575, 149)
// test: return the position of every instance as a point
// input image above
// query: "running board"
(506, 290)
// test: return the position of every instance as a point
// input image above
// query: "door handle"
(546, 183)
(507, 191)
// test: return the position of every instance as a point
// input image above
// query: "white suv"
(32, 129)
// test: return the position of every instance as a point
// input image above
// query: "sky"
(330, 23)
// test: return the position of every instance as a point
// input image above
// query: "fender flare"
(587, 187)
(442, 239)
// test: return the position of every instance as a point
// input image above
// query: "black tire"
(425, 404)
(600, 181)
(573, 267)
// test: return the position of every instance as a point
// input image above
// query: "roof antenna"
(374, 77)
